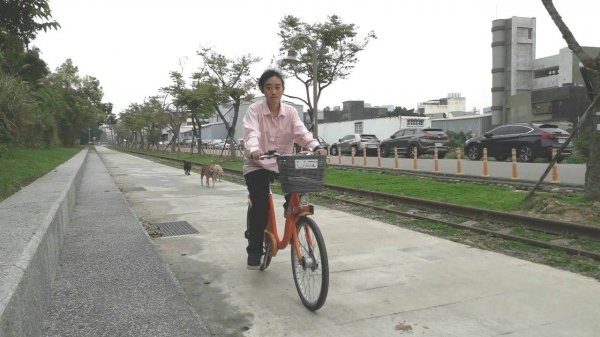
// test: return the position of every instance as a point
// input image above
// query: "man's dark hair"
(268, 74)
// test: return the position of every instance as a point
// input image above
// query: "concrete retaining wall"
(32, 226)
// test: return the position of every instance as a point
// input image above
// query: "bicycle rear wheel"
(311, 273)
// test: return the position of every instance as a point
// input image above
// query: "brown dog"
(218, 171)
(210, 172)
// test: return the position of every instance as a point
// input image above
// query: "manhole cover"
(176, 228)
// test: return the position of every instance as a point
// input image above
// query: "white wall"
(380, 127)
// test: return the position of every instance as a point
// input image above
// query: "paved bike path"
(111, 281)
(384, 280)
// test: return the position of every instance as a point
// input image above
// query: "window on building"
(552, 71)
(358, 127)
(530, 33)
(414, 122)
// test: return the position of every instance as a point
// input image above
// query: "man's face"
(273, 89)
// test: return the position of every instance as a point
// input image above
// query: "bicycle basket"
(301, 173)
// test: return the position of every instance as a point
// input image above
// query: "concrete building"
(352, 110)
(454, 102)
(473, 124)
(526, 89)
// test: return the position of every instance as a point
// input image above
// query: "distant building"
(454, 102)
(352, 110)
(526, 89)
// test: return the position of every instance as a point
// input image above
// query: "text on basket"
(307, 163)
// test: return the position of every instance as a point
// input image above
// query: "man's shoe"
(253, 262)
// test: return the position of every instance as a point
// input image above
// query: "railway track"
(468, 218)
(481, 221)
(473, 219)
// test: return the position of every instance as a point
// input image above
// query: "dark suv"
(424, 140)
(358, 142)
(530, 140)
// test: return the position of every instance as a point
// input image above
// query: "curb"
(33, 224)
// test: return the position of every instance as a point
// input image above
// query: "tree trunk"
(592, 172)
(591, 74)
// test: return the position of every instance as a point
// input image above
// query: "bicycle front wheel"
(311, 271)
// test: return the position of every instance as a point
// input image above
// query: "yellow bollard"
(554, 179)
(486, 172)
(515, 175)
(436, 164)
(378, 157)
(396, 160)
(458, 163)
(339, 157)
(365, 156)
(353, 156)
(414, 159)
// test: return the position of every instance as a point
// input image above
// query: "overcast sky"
(425, 49)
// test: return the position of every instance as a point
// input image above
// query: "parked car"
(223, 145)
(356, 141)
(322, 142)
(215, 143)
(530, 140)
(424, 140)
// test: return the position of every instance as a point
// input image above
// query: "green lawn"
(21, 166)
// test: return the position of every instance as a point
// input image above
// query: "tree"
(337, 49)
(20, 21)
(232, 81)
(591, 73)
(402, 111)
(82, 101)
(178, 115)
(200, 102)
(24, 18)
(16, 105)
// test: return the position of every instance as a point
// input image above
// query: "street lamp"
(292, 57)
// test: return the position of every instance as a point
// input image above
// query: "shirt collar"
(266, 111)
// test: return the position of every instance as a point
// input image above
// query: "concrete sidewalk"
(111, 281)
(384, 280)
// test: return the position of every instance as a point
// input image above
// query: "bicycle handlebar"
(274, 154)
(270, 154)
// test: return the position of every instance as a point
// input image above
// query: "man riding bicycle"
(268, 125)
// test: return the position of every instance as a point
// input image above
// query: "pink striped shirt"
(265, 132)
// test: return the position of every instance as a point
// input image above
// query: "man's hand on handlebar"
(322, 152)
(256, 154)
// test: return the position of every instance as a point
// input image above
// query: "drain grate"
(176, 228)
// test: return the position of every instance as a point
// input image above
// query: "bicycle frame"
(290, 230)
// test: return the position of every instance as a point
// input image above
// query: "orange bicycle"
(300, 174)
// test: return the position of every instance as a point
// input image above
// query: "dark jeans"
(258, 214)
